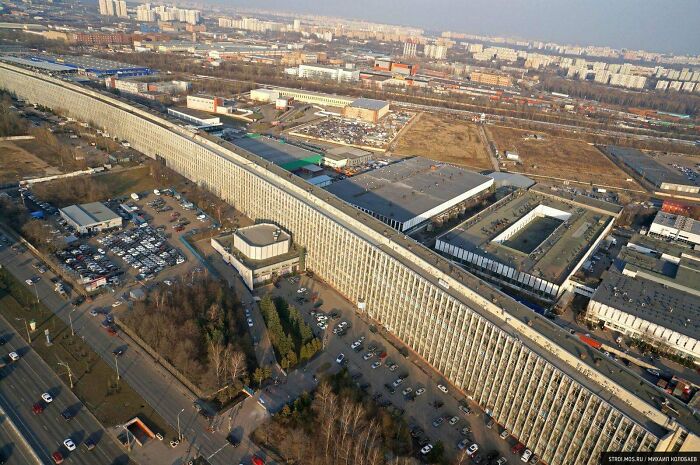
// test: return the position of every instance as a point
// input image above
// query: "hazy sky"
(658, 25)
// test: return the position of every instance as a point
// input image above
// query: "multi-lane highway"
(13, 448)
(23, 383)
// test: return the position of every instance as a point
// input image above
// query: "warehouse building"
(671, 264)
(197, 119)
(527, 241)
(409, 193)
(90, 217)
(649, 311)
(209, 104)
(259, 253)
(661, 176)
(526, 372)
(314, 98)
(366, 109)
(346, 157)
(675, 227)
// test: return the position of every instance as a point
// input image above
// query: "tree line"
(200, 329)
(292, 339)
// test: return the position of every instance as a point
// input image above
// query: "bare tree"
(236, 364)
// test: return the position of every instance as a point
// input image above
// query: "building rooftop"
(549, 250)
(287, 156)
(202, 115)
(651, 301)
(369, 104)
(91, 64)
(342, 152)
(406, 189)
(260, 235)
(38, 64)
(89, 213)
(682, 223)
(645, 166)
(502, 178)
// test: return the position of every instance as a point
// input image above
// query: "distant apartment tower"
(435, 51)
(106, 7)
(297, 25)
(120, 8)
(409, 49)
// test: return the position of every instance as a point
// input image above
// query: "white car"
(442, 387)
(355, 345)
(94, 312)
(29, 282)
(250, 322)
(14, 356)
(47, 397)
(426, 449)
(117, 303)
(471, 450)
(526, 455)
(420, 391)
(340, 358)
(70, 445)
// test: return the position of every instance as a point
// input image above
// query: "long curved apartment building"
(550, 391)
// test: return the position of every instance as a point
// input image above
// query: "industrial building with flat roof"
(90, 217)
(657, 260)
(527, 241)
(676, 227)
(287, 156)
(649, 311)
(342, 157)
(410, 192)
(659, 175)
(259, 252)
(366, 109)
(198, 119)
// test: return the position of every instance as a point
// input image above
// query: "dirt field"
(16, 163)
(440, 138)
(559, 157)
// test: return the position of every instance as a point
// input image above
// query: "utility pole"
(68, 370)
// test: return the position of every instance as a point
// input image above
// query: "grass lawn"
(125, 182)
(95, 382)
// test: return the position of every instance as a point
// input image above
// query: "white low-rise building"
(90, 217)
(259, 253)
(675, 227)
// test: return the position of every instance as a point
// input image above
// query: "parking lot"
(402, 384)
(358, 133)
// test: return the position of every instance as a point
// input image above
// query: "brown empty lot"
(16, 163)
(559, 157)
(444, 139)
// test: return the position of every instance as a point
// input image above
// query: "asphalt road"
(22, 384)
(12, 449)
(162, 392)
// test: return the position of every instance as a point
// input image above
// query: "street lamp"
(26, 325)
(179, 434)
(70, 318)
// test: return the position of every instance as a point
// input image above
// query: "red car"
(38, 408)
(257, 460)
(57, 457)
(112, 331)
(517, 449)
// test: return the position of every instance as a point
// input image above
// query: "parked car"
(442, 387)
(526, 455)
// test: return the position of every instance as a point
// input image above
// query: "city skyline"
(618, 25)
